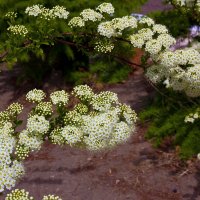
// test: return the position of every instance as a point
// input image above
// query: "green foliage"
(177, 23)
(166, 116)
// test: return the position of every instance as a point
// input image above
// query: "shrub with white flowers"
(18, 194)
(98, 121)
(95, 122)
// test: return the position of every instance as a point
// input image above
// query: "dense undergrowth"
(167, 127)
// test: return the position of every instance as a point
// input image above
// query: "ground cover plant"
(99, 120)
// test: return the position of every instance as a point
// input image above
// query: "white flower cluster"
(106, 8)
(73, 118)
(51, 197)
(102, 124)
(180, 69)
(106, 29)
(46, 13)
(20, 30)
(76, 22)
(116, 26)
(158, 28)
(29, 141)
(146, 20)
(44, 109)
(83, 92)
(34, 10)
(35, 96)
(192, 117)
(37, 125)
(14, 109)
(136, 41)
(104, 101)
(104, 47)
(60, 12)
(91, 15)
(154, 39)
(19, 195)
(9, 170)
(11, 15)
(105, 130)
(71, 134)
(59, 98)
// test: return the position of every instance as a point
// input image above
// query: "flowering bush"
(96, 30)
(96, 122)
(189, 7)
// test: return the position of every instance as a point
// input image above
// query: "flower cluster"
(98, 121)
(35, 96)
(11, 15)
(37, 125)
(181, 70)
(106, 8)
(60, 12)
(46, 13)
(59, 98)
(191, 117)
(76, 22)
(104, 101)
(83, 92)
(116, 26)
(21, 194)
(14, 109)
(51, 197)
(10, 169)
(44, 109)
(91, 15)
(20, 30)
(34, 10)
(146, 20)
(18, 195)
(104, 47)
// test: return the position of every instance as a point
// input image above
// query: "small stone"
(117, 181)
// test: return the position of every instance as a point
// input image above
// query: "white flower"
(104, 47)
(106, 8)
(71, 134)
(59, 97)
(161, 29)
(83, 92)
(91, 15)
(34, 10)
(146, 34)
(37, 125)
(136, 40)
(60, 12)
(166, 40)
(35, 95)
(106, 29)
(153, 46)
(76, 22)
(147, 20)
(18, 30)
